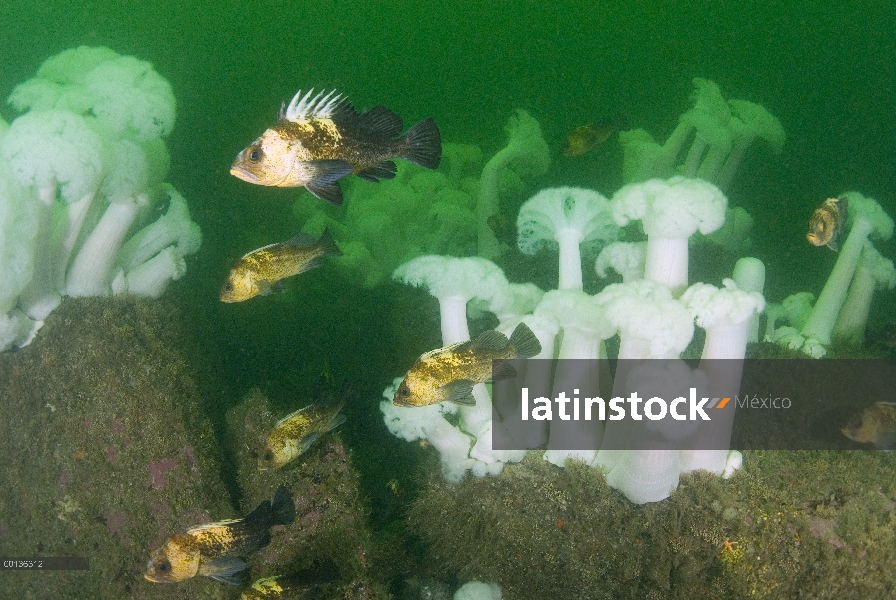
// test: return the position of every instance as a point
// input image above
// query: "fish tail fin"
(328, 244)
(423, 144)
(330, 400)
(283, 509)
(279, 510)
(524, 341)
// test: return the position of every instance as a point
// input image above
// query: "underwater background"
(827, 72)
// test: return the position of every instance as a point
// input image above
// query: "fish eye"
(403, 391)
(163, 567)
(255, 154)
(228, 287)
(268, 456)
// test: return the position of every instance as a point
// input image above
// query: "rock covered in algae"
(330, 534)
(106, 452)
(788, 525)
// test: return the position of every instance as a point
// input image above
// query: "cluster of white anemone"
(653, 312)
(82, 186)
(842, 309)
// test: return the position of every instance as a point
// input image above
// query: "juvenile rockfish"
(215, 549)
(449, 374)
(260, 272)
(874, 425)
(582, 139)
(827, 222)
(294, 433)
(320, 139)
(289, 587)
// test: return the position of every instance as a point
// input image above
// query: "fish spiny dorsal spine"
(308, 107)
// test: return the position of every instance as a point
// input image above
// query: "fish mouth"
(243, 174)
(250, 177)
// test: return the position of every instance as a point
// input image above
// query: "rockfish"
(294, 433)
(827, 222)
(582, 139)
(214, 549)
(449, 374)
(260, 272)
(288, 587)
(320, 139)
(874, 425)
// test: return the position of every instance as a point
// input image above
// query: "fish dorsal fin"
(320, 106)
(378, 121)
(290, 416)
(524, 342)
(886, 404)
(268, 247)
(301, 240)
(489, 340)
(433, 353)
(214, 525)
(460, 347)
(381, 121)
(843, 208)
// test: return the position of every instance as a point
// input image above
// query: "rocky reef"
(107, 451)
(788, 525)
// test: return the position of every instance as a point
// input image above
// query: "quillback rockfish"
(320, 139)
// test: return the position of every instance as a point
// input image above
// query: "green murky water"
(828, 73)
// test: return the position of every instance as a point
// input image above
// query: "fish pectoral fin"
(308, 440)
(460, 392)
(266, 289)
(227, 569)
(502, 370)
(383, 170)
(330, 192)
(886, 441)
(338, 420)
(327, 171)
(323, 177)
(833, 245)
(311, 264)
